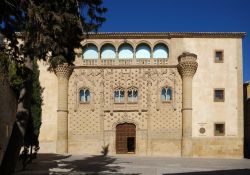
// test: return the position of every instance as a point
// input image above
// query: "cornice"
(124, 66)
(167, 35)
(163, 35)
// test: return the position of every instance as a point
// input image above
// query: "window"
(84, 96)
(125, 51)
(119, 95)
(132, 95)
(219, 129)
(108, 52)
(166, 94)
(160, 51)
(218, 56)
(219, 95)
(90, 51)
(142, 51)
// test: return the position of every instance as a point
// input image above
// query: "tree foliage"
(49, 29)
(54, 28)
(12, 20)
(12, 71)
(33, 130)
(36, 100)
(15, 78)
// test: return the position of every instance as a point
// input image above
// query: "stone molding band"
(63, 110)
(186, 109)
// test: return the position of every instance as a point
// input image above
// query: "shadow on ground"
(42, 164)
(219, 172)
(59, 164)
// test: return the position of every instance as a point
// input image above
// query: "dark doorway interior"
(131, 144)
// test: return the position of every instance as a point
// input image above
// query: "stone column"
(187, 67)
(63, 73)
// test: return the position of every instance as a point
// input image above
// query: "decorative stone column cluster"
(187, 67)
(63, 73)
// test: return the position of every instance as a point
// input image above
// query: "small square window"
(219, 95)
(219, 129)
(218, 57)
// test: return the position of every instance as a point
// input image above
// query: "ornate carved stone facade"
(96, 121)
(166, 94)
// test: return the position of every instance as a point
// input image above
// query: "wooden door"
(125, 138)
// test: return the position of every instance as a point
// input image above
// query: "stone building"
(160, 94)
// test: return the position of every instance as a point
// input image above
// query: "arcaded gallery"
(153, 94)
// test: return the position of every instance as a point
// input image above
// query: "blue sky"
(181, 16)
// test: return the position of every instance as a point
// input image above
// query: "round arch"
(108, 51)
(109, 42)
(160, 42)
(160, 50)
(90, 51)
(143, 50)
(83, 43)
(125, 42)
(144, 42)
(125, 51)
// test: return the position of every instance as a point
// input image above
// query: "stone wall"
(7, 113)
(48, 131)
(218, 147)
(211, 75)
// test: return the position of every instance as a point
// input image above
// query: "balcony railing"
(123, 62)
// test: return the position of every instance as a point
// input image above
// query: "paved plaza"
(131, 165)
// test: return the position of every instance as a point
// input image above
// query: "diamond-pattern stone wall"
(96, 121)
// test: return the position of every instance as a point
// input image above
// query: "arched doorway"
(125, 138)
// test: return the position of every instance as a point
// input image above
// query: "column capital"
(187, 64)
(63, 71)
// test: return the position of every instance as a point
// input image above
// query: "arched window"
(84, 95)
(125, 51)
(142, 51)
(119, 95)
(90, 51)
(132, 95)
(108, 51)
(166, 94)
(160, 51)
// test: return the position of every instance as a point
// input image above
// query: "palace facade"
(157, 94)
